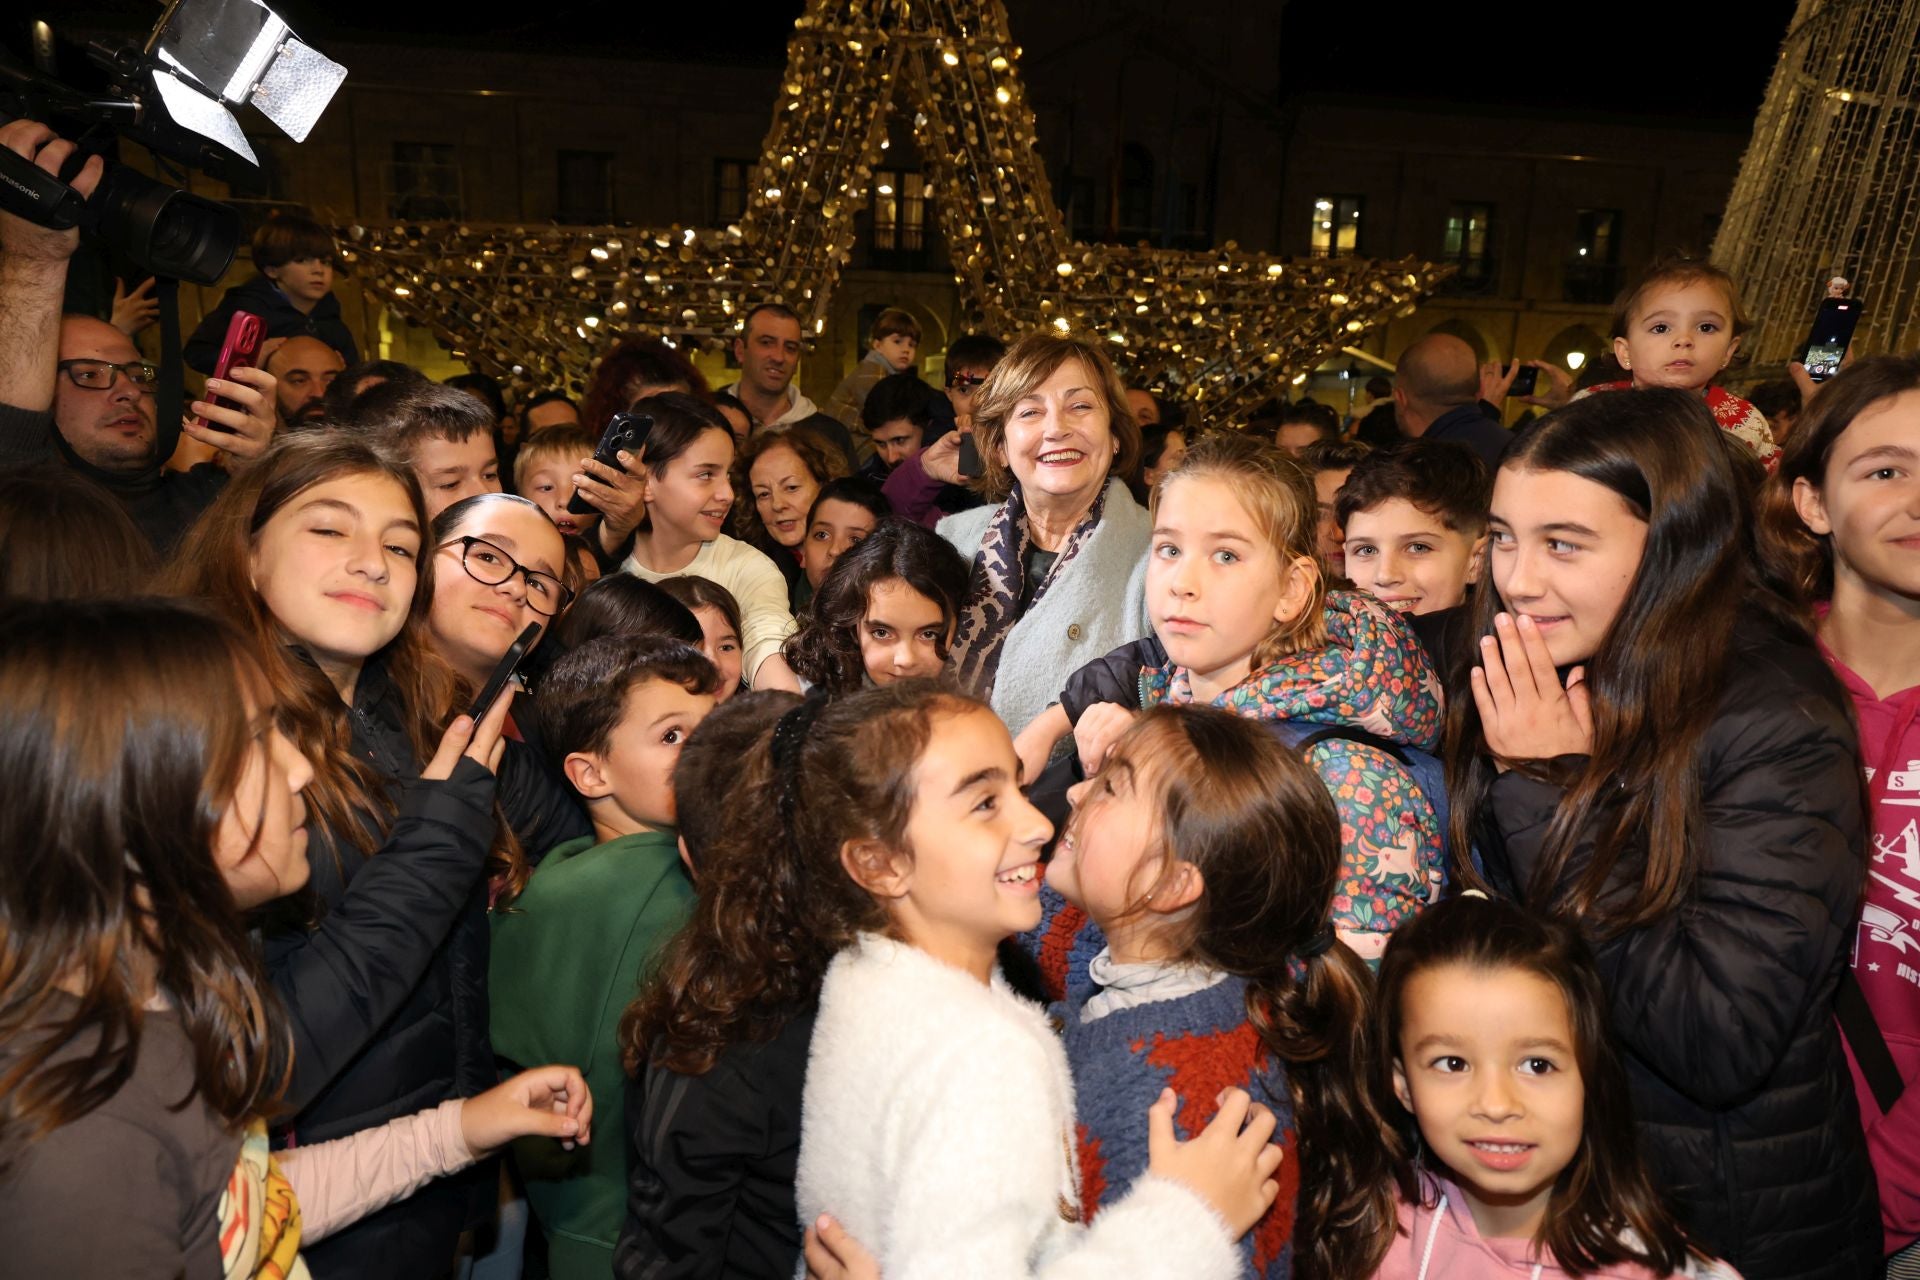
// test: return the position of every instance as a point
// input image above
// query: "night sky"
(1487, 51)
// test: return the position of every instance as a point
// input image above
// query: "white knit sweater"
(938, 1127)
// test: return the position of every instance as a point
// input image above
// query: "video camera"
(170, 96)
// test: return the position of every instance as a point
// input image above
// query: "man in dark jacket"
(292, 295)
(77, 388)
(1436, 394)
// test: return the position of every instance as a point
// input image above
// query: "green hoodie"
(569, 955)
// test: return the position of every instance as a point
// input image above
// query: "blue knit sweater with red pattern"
(1196, 1044)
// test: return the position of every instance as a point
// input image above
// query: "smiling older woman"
(1059, 567)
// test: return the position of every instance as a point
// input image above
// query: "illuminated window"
(1336, 226)
(1593, 260)
(899, 211)
(1468, 244)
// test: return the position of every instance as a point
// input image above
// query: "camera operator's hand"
(243, 434)
(26, 242)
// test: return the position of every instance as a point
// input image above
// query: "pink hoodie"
(1886, 951)
(1442, 1243)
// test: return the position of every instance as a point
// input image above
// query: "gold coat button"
(1073, 631)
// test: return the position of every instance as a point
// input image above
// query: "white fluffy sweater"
(938, 1127)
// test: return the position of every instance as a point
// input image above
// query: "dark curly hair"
(775, 903)
(826, 650)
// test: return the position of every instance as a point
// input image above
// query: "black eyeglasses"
(489, 565)
(100, 375)
(967, 380)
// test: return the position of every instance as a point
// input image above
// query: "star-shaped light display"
(537, 305)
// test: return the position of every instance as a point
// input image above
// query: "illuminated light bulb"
(884, 189)
(593, 322)
(773, 193)
(998, 64)
(1300, 380)
(1575, 359)
(1338, 299)
(1274, 269)
(1002, 96)
(1060, 323)
(596, 252)
(1065, 268)
(401, 291)
(1354, 326)
(951, 58)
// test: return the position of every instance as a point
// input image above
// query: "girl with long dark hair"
(1514, 1149)
(151, 806)
(1843, 527)
(316, 554)
(1650, 744)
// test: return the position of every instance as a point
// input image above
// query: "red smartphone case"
(245, 333)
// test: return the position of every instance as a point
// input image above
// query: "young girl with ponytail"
(1208, 855)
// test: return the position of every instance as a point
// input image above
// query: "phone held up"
(1525, 379)
(502, 673)
(245, 333)
(1832, 333)
(625, 431)
(968, 461)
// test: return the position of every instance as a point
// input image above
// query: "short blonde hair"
(1278, 495)
(562, 439)
(1033, 360)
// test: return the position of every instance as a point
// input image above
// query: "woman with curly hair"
(886, 611)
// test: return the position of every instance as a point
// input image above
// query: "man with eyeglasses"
(77, 388)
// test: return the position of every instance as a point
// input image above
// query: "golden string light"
(1220, 327)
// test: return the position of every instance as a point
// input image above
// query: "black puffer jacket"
(281, 318)
(387, 993)
(1723, 1011)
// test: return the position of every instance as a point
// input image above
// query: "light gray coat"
(1097, 604)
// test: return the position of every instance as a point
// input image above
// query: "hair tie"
(789, 735)
(1475, 893)
(1318, 945)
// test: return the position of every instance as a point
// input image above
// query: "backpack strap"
(1321, 733)
(1869, 1047)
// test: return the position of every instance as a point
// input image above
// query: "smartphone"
(245, 332)
(626, 431)
(969, 460)
(1524, 381)
(1832, 334)
(516, 653)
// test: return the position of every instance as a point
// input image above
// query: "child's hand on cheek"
(1525, 712)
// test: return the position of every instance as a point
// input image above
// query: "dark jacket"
(1469, 425)
(162, 503)
(263, 298)
(710, 1187)
(1723, 1010)
(387, 994)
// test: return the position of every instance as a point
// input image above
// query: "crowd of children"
(1465, 870)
